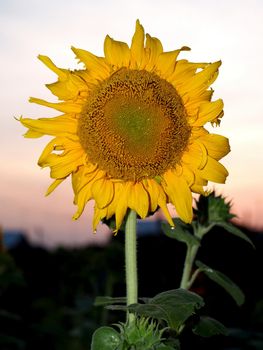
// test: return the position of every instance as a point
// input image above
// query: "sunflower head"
(131, 130)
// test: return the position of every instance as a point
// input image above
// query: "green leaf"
(165, 347)
(169, 344)
(223, 281)
(102, 301)
(180, 233)
(117, 307)
(105, 338)
(208, 327)
(173, 306)
(235, 231)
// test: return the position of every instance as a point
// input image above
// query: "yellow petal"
(58, 144)
(68, 89)
(61, 73)
(117, 53)
(184, 71)
(118, 191)
(82, 183)
(201, 80)
(76, 180)
(82, 177)
(66, 163)
(179, 194)
(162, 202)
(62, 164)
(83, 196)
(93, 63)
(208, 111)
(102, 191)
(153, 189)
(66, 107)
(98, 215)
(217, 146)
(188, 175)
(57, 126)
(54, 185)
(68, 86)
(193, 103)
(155, 49)
(213, 171)
(32, 134)
(167, 60)
(49, 148)
(157, 197)
(195, 156)
(138, 199)
(198, 189)
(122, 206)
(137, 45)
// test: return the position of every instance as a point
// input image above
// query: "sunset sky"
(229, 30)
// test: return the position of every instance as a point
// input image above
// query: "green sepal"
(234, 230)
(142, 334)
(173, 306)
(208, 327)
(105, 338)
(180, 232)
(212, 208)
(224, 281)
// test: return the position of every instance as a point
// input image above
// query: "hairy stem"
(131, 262)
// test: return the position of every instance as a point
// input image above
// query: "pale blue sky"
(228, 30)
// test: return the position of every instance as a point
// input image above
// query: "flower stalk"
(131, 262)
(187, 280)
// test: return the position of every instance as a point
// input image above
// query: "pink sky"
(228, 30)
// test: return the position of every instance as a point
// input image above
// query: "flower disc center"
(136, 122)
(134, 125)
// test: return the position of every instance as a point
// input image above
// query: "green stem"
(188, 266)
(187, 277)
(131, 261)
(193, 278)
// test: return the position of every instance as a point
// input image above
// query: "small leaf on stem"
(180, 232)
(235, 231)
(224, 281)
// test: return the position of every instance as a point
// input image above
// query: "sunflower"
(131, 129)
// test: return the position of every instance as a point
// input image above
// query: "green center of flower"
(135, 122)
(134, 125)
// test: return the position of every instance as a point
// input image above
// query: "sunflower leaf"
(235, 231)
(173, 306)
(207, 327)
(180, 232)
(103, 301)
(117, 307)
(224, 281)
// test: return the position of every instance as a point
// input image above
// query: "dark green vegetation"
(47, 297)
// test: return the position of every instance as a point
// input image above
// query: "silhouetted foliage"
(47, 296)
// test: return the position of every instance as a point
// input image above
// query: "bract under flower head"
(131, 133)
